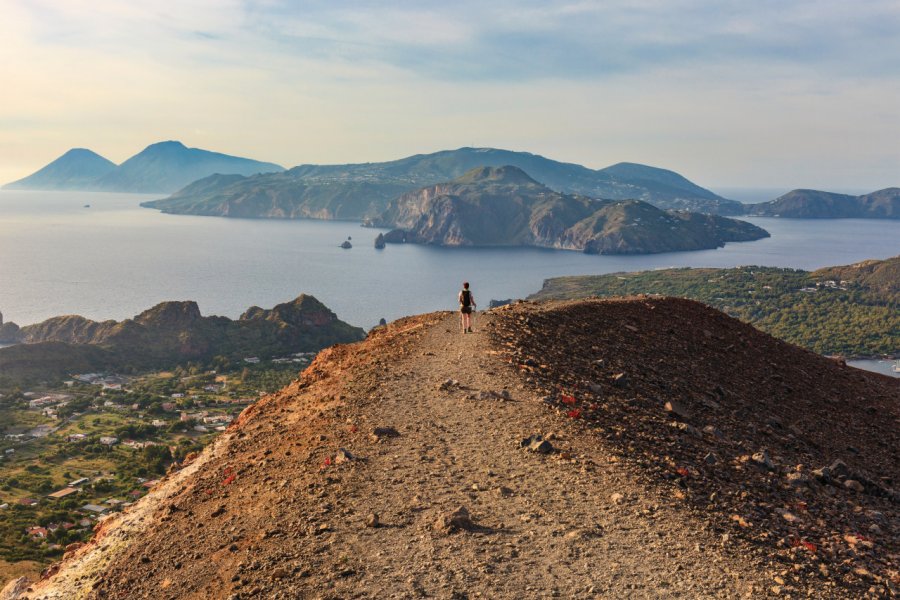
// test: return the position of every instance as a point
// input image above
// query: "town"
(74, 453)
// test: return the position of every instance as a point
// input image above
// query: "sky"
(765, 94)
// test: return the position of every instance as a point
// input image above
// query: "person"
(466, 306)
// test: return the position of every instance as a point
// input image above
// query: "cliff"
(659, 441)
(503, 206)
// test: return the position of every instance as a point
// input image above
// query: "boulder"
(536, 443)
(457, 520)
(677, 409)
(761, 459)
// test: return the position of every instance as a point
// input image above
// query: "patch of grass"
(12, 570)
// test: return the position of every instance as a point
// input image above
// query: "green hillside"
(852, 311)
(361, 191)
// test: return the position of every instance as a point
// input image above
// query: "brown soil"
(348, 483)
(24, 568)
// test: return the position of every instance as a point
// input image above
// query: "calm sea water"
(115, 259)
(885, 367)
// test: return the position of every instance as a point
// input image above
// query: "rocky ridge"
(549, 455)
(169, 333)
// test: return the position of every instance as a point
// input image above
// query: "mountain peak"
(164, 167)
(503, 174)
(76, 169)
(166, 145)
(169, 313)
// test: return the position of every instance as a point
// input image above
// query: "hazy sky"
(761, 94)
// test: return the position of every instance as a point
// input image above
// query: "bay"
(115, 259)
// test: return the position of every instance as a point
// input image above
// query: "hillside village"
(74, 454)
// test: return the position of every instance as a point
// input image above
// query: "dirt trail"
(548, 526)
(571, 524)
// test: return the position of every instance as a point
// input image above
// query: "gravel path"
(277, 509)
(556, 525)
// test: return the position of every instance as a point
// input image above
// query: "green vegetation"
(362, 191)
(157, 419)
(850, 311)
(504, 206)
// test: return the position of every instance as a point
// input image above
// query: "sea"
(102, 256)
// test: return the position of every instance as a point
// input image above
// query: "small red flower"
(574, 414)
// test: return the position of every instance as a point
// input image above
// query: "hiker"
(466, 306)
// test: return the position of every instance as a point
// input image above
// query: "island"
(504, 206)
(163, 167)
(815, 204)
(362, 191)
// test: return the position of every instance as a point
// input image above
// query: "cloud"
(593, 40)
(716, 88)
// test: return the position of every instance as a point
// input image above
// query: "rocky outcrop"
(503, 206)
(10, 333)
(174, 332)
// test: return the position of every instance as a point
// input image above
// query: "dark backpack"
(466, 298)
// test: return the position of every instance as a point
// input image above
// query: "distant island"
(168, 334)
(814, 204)
(160, 168)
(362, 191)
(851, 310)
(504, 206)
